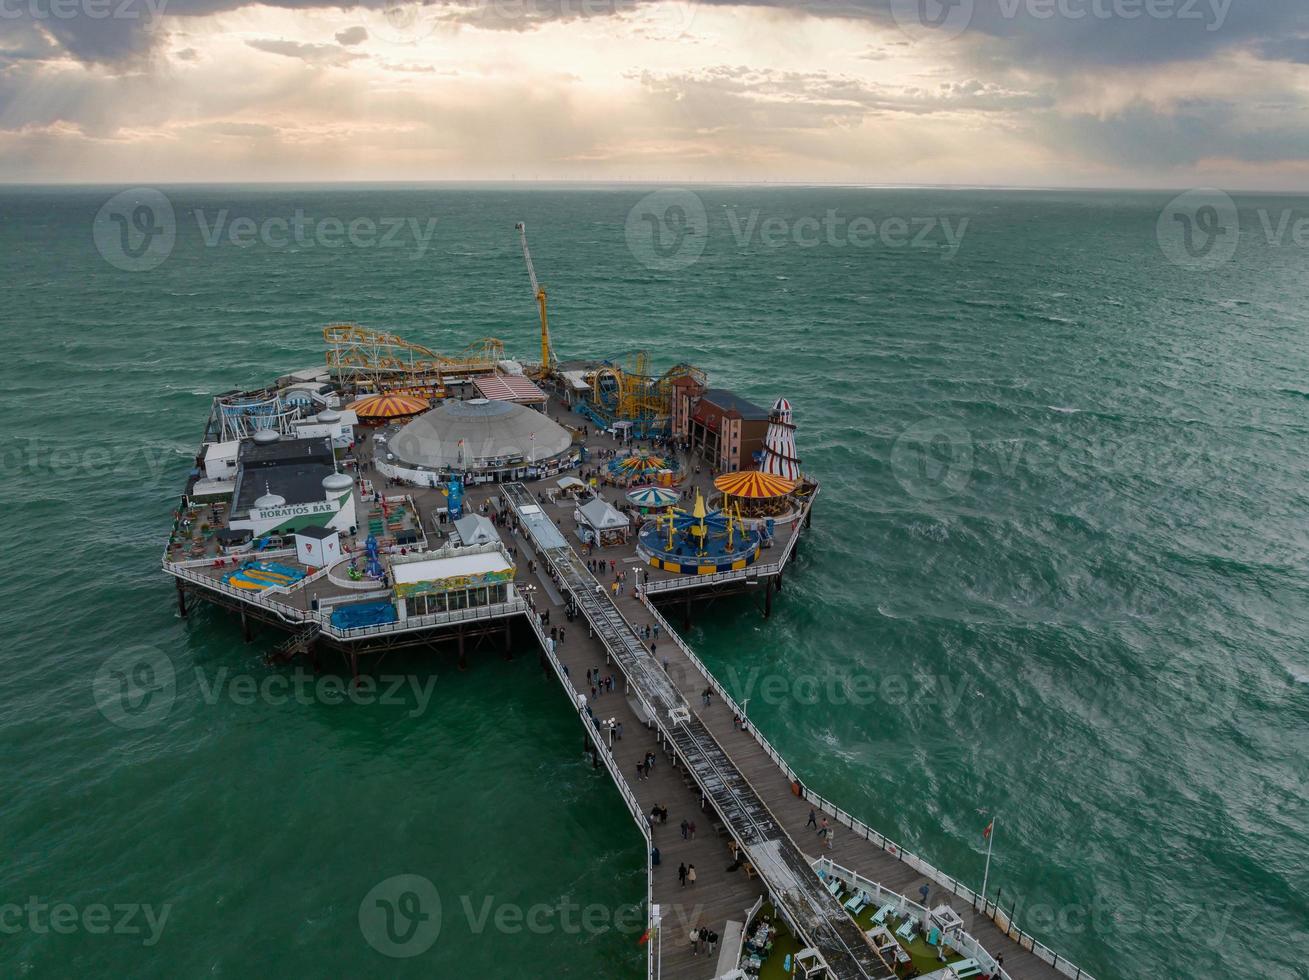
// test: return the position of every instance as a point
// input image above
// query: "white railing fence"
(1003, 920)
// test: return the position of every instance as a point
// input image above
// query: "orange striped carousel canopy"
(388, 406)
(753, 485)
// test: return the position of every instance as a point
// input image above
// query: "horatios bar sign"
(294, 510)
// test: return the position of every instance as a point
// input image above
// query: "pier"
(753, 849)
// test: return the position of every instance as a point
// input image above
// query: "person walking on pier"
(690, 874)
(695, 940)
(690, 827)
(686, 829)
(681, 874)
(812, 821)
(640, 772)
(823, 828)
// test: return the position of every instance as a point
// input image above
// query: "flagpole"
(990, 842)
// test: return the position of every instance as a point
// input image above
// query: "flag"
(986, 834)
(645, 938)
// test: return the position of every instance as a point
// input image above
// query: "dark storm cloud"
(1042, 34)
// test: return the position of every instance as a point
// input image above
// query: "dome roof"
(329, 415)
(336, 482)
(269, 500)
(479, 434)
(265, 436)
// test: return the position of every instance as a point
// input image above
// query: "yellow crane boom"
(548, 360)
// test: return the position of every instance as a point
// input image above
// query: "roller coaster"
(363, 358)
(632, 393)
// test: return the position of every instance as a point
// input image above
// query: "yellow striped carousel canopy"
(753, 485)
(388, 406)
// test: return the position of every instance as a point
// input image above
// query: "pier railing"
(1003, 920)
(597, 737)
(322, 617)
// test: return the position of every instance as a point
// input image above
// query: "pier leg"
(768, 599)
(246, 635)
(509, 644)
(354, 668)
(463, 660)
(686, 614)
(779, 581)
(181, 599)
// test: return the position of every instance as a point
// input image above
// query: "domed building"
(496, 439)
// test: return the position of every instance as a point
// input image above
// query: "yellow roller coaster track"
(359, 354)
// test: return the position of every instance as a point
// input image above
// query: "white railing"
(624, 790)
(1003, 920)
(322, 617)
(963, 941)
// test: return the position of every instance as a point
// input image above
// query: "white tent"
(598, 521)
(476, 529)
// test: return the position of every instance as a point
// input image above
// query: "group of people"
(703, 936)
(822, 828)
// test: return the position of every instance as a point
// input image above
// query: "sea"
(1056, 581)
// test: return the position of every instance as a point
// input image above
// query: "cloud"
(351, 36)
(313, 54)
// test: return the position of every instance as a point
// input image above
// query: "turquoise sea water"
(1060, 557)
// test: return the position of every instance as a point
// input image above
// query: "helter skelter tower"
(779, 444)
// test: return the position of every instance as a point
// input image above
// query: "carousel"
(388, 407)
(642, 469)
(699, 541)
(756, 494)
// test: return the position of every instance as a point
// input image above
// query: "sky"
(1060, 93)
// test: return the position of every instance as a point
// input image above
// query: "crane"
(548, 360)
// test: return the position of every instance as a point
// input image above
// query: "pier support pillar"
(686, 614)
(509, 644)
(181, 599)
(768, 599)
(463, 660)
(779, 581)
(246, 635)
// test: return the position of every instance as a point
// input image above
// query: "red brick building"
(725, 429)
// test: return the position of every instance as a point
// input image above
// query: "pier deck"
(773, 853)
(745, 783)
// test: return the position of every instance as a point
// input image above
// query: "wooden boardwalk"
(720, 896)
